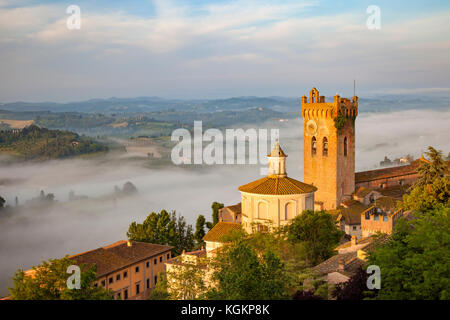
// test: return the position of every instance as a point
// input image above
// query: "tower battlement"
(316, 107)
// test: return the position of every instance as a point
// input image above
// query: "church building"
(275, 199)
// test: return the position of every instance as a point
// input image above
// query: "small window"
(96, 284)
(148, 264)
(155, 261)
(160, 259)
(136, 269)
(367, 216)
(354, 228)
(345, 146)
(168, 256)
(125, 274)
(385, 218)
(118, 296)
(156, 279)
(325, 147)
(111, 280)
(125, 294)
(376, 218)
(138, 288)
(313, 146)
(118, 277)
(148, 283)
(103, 283)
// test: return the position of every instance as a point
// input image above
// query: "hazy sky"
(210, 48)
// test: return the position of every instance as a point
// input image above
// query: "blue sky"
(209, 49)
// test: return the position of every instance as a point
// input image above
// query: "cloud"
(276, 47)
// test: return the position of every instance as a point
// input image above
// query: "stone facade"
(329, 152)
(375, 220)
(271, 211)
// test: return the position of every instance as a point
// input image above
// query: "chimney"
(341, 265)
(354, 241)
(129, 244)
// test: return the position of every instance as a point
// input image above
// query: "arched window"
(289, 211)
(262, 210)
(325, 147)
(313, 146)
(345, 146)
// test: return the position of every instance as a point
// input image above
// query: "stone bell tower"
(329, 147)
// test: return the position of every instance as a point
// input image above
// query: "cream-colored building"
(275, 200)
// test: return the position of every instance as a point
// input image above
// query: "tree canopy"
(432, 168)
(216, 206)
(200, 229)
(242, 273)
(427, 197)
(34, 142)
(317, 232)
(163, 228)
(415, 263)
(49, 282)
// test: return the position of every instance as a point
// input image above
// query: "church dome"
(275, 185)
(277, 182)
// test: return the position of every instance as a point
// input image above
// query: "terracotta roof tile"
(387, 204)
(352, 214)
(234, 208)
(352, 263)
(221, 229)
(371, 175)
(275, 185)
(361, 192)
(119, 255)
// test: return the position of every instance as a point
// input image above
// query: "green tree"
(427, 197)
(2, 202)
(200, 229)
(216, 206)
(354, 288)
(432, 168)
(160, 292)
(241, 272)
(187, 281)
(317, 232)
(415, 263)
(49, 282)
(163, 228)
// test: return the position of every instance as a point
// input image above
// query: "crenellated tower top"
(316, 107)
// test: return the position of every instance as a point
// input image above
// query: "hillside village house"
(129, 268)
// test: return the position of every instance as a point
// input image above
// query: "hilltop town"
(308, 239)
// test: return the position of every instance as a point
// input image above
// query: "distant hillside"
(282, 104)
(151, 124)
(40, 143)
(149, 104)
